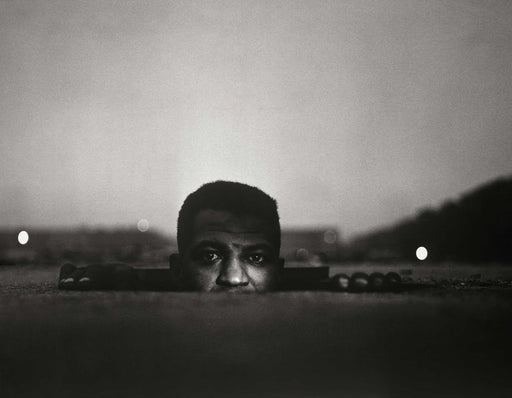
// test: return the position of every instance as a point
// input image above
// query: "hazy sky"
(349, 113)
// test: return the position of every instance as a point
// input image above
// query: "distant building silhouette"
(313, 246)
(86, 245)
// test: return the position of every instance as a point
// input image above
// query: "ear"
(279, 274)
(175, 265)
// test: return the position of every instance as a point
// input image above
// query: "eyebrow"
(206, 243)
(259, 246)
(216, 243)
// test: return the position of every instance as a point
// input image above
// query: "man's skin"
(229, 253)
(226, 252)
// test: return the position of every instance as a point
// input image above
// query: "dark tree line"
(477, 228)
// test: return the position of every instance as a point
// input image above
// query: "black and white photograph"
(255, 198)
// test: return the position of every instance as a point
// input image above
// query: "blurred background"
(383, 129)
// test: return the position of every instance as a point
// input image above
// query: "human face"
(230, 253)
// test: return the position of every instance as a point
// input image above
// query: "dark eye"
(209, 257)
(257, 258)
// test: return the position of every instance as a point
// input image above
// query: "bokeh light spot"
(421, 253)
(23, 237)
(143, 225)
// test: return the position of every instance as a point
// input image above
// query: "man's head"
(229, 238)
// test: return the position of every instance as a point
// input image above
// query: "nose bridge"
(233, 272)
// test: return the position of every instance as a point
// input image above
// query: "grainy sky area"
(350, 113)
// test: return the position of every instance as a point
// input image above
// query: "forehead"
(224, 225)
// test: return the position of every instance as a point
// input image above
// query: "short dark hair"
(234, 197)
